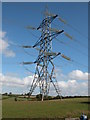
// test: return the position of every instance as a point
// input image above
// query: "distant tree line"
(39, 96)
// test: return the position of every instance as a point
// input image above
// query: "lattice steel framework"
(44, 73)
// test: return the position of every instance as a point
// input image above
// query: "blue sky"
(16, 16)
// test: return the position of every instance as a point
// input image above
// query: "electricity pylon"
(44, 73)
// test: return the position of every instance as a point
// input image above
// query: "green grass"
(46, 109)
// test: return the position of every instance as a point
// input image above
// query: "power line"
(27, 69)
(81, 52)
(75, 29)
(61, 42)
(28, 53)
(65, 22)
(73, 39)
(72, 27)
(78, 50)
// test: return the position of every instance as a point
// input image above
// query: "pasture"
(72, 107)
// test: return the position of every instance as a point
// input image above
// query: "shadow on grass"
(88, 102)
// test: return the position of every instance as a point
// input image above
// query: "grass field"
(46, 109)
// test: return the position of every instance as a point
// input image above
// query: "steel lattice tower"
(44, 73)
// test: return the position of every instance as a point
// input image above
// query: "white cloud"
(78, 75)
(59, 75)
(9, 53)
(8, 80)
(74, 83)
(2, 34)
(68, 87)
(72, 87)
(4, 46)
(13, 83)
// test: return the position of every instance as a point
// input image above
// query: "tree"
(10, 93)
(39, 96)
(5, 94)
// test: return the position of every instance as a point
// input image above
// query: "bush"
(15, 99)
(49, 97)
(39, 96)
(57, 97)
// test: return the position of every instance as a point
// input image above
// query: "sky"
(72, 76)
(45, 1)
